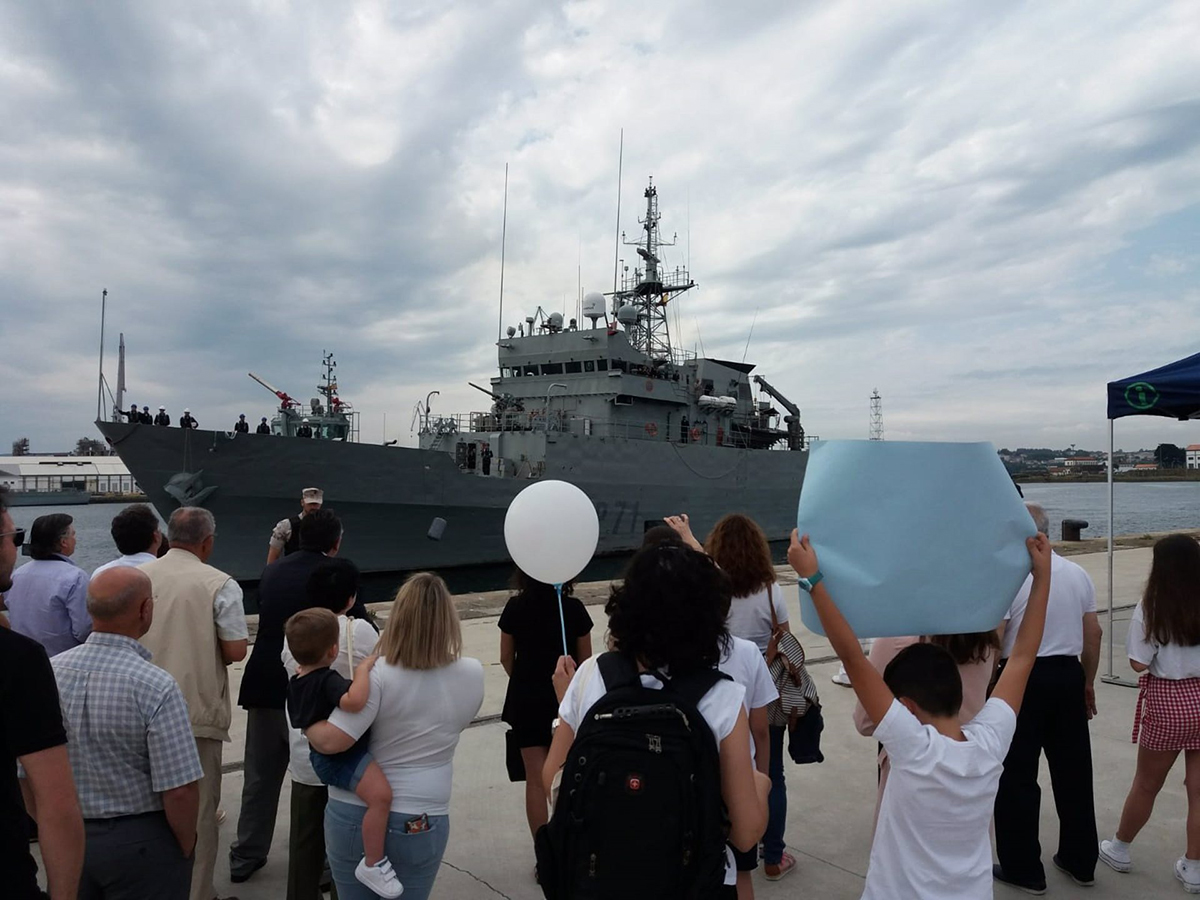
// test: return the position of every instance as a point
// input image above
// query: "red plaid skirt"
(1168, 713)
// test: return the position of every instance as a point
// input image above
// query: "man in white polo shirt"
(1059, 701)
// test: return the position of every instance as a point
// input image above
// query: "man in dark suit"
(281, 593)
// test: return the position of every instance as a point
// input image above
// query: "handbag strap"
(773, 643)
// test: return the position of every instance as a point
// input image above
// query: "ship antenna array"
(503, 241)
(617, 242)
(641, 302)
(876, 433)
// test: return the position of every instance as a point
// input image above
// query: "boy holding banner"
(932, 838)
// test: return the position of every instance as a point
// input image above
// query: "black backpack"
(639, 811)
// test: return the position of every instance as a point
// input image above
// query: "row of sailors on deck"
(143, 417)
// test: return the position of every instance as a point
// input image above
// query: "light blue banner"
(914, 538)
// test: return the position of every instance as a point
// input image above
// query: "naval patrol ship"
(646, 429)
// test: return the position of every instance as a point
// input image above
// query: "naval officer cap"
(312, 495)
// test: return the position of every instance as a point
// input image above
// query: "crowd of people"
(115, 705)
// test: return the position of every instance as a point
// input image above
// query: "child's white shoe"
(1115, 857)
(1188, 872)
(381, 877)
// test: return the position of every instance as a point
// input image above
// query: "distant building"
(1193, 456)
(96, 474)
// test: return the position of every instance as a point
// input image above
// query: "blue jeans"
(415, 857)
(773, 843)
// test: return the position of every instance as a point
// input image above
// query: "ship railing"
(557, 421)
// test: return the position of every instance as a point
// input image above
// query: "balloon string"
(562, 620)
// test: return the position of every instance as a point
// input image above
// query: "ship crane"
(285, 401)
(795, 431)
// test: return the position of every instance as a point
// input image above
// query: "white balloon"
(551, 530)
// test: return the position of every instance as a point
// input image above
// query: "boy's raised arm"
(1011, 686)
(875, 696)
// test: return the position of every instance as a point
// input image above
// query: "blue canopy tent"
(1173, 391)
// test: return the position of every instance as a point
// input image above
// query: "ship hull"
(387, 497)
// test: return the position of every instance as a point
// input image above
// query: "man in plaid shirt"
(131, 749)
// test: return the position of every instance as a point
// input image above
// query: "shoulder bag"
(798, 707)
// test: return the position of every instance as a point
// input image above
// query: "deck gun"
(284, 400)
(503, 402)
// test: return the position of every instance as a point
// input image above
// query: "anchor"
(189, 489)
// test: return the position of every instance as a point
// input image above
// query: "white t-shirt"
(1165, 660)
(129, 559)
(720, 708)
(415, 717)
(750, 617)
(743, 662)
(1071, 595)
(362, 640)
(932, 838)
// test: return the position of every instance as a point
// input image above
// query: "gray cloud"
(917, 199)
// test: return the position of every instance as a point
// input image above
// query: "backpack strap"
(617, 670)
(693, 686)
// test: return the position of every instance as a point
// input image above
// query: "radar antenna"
(641, 302)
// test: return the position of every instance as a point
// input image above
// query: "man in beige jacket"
(199, 629)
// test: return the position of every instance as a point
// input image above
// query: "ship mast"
(641, 303)
(328, 386)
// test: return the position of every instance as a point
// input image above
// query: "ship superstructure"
(619, 380)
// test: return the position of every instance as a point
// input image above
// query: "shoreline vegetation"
(1164, 475)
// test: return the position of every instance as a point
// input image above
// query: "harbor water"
(1139, 508)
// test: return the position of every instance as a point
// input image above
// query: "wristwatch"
(812, 581)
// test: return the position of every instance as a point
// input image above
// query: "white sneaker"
(1188, 872)
(1114, 858)
(841, 678)
(381, 877)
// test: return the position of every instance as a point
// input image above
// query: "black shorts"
(745, 862)
(529, 735)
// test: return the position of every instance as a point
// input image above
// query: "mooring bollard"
(1071, 529)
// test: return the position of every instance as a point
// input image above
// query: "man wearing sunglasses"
(10, 541)
(32, 733)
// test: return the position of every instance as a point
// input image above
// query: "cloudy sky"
(986, 211)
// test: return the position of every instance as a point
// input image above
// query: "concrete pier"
(490, 854)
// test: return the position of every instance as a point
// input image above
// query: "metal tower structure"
(641, 303)
(876, 416)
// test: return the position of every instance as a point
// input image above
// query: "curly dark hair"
(1171, 603)
(740, 548)
(670, 610)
